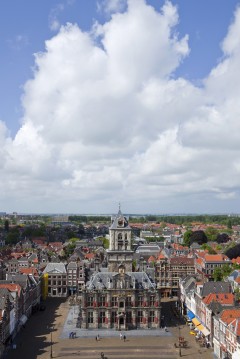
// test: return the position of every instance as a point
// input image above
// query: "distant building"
(57, 279)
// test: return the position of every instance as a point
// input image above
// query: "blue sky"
(196, 49)
(25, 26)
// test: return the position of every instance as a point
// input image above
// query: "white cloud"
(54, 23)
(104, 121)
(111, 6)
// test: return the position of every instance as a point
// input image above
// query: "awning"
(190, 314)
(204, 330)
(23, 319)
(195, 321)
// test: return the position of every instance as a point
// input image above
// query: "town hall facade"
(116, 297)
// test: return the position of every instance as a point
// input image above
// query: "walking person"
(124, 338)
(120, 335)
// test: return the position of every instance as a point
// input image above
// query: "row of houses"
(212, 308)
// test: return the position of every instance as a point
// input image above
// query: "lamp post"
(51, 352)
(179, 341)
(51, 342)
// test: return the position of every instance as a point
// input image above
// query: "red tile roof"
(89, 255)
(223, 298)
(228, 315)
(151, 259)
(215, 258)
(12, 287)
(30, 270)
(236, 260)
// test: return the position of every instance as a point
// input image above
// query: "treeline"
(186, 219)
(89, 219)
(226, 220)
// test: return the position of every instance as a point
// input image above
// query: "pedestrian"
(124, 338)
(121, 336)
(98, 338)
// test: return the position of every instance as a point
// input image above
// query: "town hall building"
(116, 297)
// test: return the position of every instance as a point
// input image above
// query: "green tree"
(229, 224)
(211, 233)
(6, 225)
(199, 237)
(206, 246)
(12, 237)
(217, 274)
(105, 242)
(226, 270)
(186, 238)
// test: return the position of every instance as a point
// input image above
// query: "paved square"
(34, 341)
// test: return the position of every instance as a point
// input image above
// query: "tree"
(186, 238)
(229, 224)
(233, 252)
(6, 225)
(199, 237)
(12, 237)
(81, 230)
(217, 274)
(226, 270)
(223, 238)
(105, 242)
(211, 233)
(206, 246)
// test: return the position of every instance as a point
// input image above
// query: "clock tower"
(119, 252)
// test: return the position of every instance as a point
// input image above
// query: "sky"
(130, 101)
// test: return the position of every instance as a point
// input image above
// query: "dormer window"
(120, 222)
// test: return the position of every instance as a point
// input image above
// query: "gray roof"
(55, 268)
(215, 287)
(21, 279)
(23, 259)
(234, 275)
(148, 248)
(72, 265)
(138, 279)
(120, 218)
(3, 297)
(32, 256)
(188, 283)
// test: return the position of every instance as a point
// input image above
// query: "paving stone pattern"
(58, 320)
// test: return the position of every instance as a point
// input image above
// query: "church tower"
(120, 254)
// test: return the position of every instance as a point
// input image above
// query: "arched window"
(120, 241)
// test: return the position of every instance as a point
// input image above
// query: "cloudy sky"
(131, 101)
